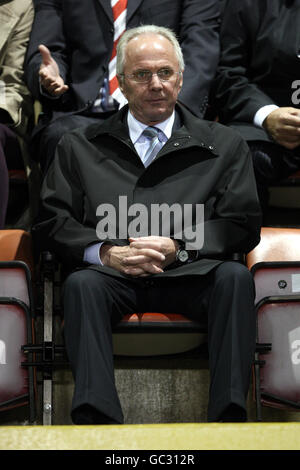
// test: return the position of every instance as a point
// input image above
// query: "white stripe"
(112, 68)
(118, 96)
(120, 25)
(114, 2)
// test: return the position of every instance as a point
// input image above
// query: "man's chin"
(158, 115)
(152, 115)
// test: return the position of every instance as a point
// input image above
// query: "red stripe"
(114, 50)
(119, 8)
(113, 84)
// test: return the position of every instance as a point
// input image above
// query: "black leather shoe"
(233, 414)
(87, 414)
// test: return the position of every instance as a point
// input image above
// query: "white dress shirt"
(262, 113)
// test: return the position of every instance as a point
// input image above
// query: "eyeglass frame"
(131, 75)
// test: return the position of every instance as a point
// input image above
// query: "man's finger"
(61, 90)
(140, 244)
(146, 253)
(46, 55)
(143, 270)
(147, 237)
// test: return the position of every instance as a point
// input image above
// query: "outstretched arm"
(48, 32)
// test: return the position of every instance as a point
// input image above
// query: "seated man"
(102, 202)
(70, 65)
(257, 85)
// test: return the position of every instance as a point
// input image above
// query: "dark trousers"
(94, 302)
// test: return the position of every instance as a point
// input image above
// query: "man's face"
(151, 102)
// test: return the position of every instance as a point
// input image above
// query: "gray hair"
(146, 29)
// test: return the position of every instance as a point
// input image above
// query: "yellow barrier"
(229, 436)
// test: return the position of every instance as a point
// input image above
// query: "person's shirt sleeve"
(262, 113)
(92, 254)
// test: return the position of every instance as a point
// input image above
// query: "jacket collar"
(106, 5)
(194, 131)
(132, 6)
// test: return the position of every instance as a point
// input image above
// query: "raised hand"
(49, 74)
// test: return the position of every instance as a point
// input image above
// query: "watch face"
(183, 256)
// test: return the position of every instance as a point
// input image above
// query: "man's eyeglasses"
(144, 76)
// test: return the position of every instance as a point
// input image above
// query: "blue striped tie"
(152, 134)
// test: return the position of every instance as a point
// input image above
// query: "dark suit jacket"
(202, 163)
(79, 35)
(260, 45)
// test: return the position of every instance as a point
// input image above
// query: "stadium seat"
(17, 383)
(275, 265)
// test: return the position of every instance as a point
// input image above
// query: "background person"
(254, 89)
(15, 102)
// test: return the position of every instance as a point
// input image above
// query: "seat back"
(15, 281)
(277, 244)
(279, 325)
(14, 387)
(275, 262)
(275, 265)
(16, 320)
(16, 245)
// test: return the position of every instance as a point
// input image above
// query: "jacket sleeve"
(236, 95)
(199, 40)
(47, 29)
(15, 98)
(62, 228)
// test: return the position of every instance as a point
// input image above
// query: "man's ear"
(181, 80)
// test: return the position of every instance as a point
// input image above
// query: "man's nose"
(155, 82)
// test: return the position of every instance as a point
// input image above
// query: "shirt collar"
(136, 127)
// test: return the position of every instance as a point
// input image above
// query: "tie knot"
(151, 132)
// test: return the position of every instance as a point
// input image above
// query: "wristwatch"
(183, 255)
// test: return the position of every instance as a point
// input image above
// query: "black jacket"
(202, 163)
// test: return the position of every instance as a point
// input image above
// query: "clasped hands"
(283, 125)
(142, 257)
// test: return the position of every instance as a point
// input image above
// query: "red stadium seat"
(275, 264)
(17, 385)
